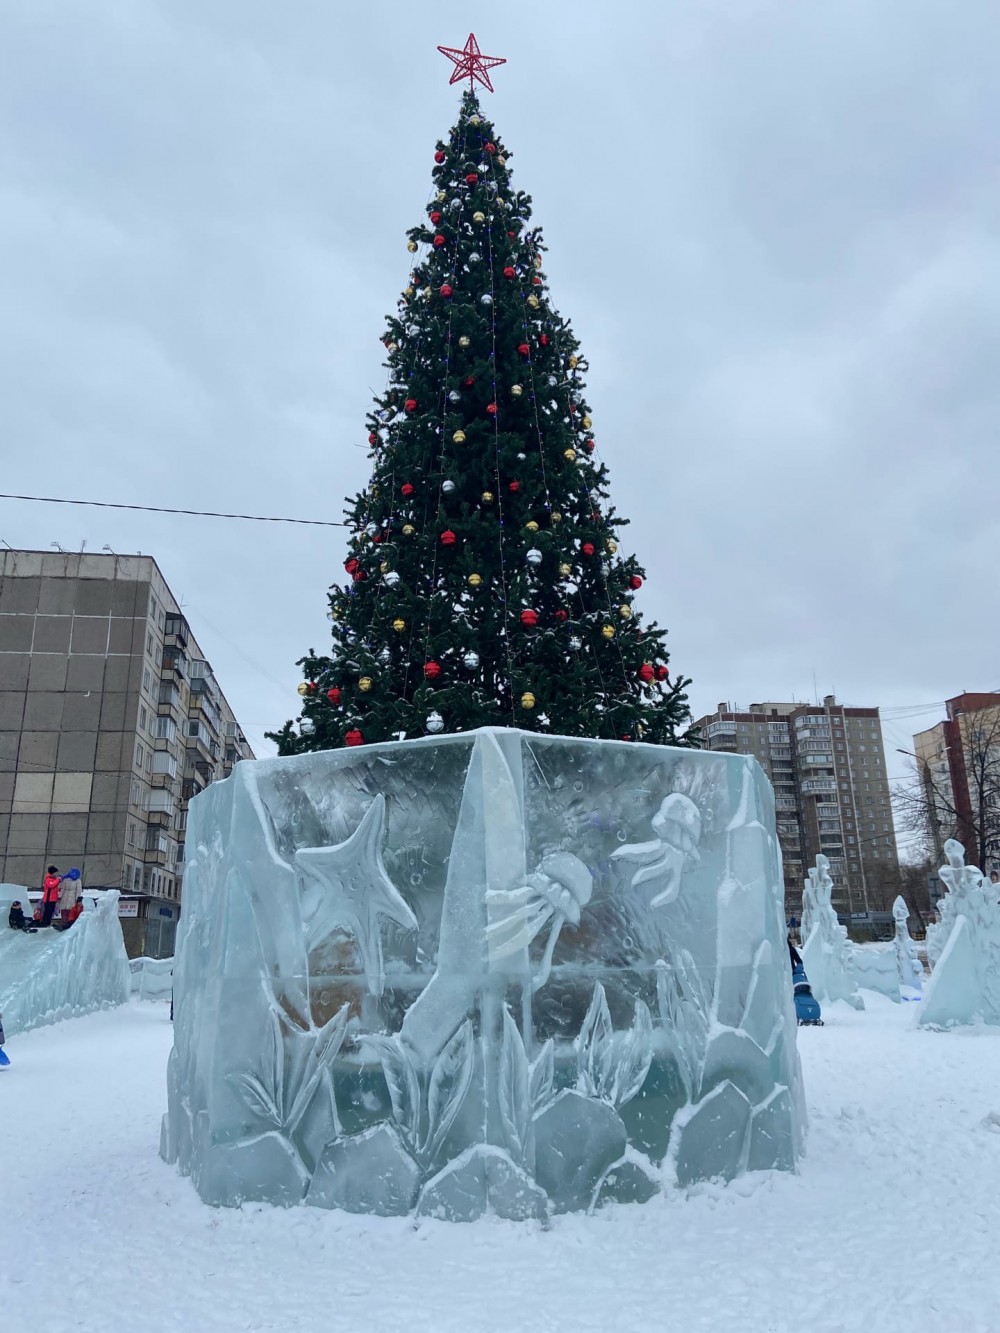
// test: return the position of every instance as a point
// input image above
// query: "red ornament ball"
(544, 339)
(410, 405)
(435, 217)
(536, 281)
(589, 445)
(445, 289)
(662, 673)
(438, 241)
(646, 673)
(491, 409)
(333, 695)
(432, 670)
(471, 178)
(351, 565)
(372, 438)
(439, 156)
(560, 615)
(468, 382)
(587, 548)
(354, 737)
(312, 687)
(406, 488)
(489, 147)
(448, 538)
(508, 272)
(524, 349)
(359, 576)
(514, 487)
(635, 581)
(529, 617)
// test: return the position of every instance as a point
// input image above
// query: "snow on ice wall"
(486, 972)
(51, 975)
(965, 983)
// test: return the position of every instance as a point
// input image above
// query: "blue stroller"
(807, 1009)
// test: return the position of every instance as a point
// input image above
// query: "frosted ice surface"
(965, 983)
(152, 978)
(50, 975)
(836, 967)
(909, 967)
(486, 973)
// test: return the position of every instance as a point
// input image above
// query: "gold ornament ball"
(384, 567)
(501, 201)
(411, 246)
(441, 196)
(391, 348)
(607, 631)
(487, 497)
(365, 683)
(399, 626)
(302, 688)
(612, 546)
(475, 580)
(531, 525)
(570, 454)
(479, 217)
(533, 302)
(463, 341)
(565, 570)
(586, 423)
(537, 261)
(475, 120)
(408, 291)
(625, 611)
(574, 362)
(516, 390)
(408, 529)
(556, 516)
(527, 699)
(459, 437)
(501, 160)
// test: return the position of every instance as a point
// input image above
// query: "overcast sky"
(773, 223)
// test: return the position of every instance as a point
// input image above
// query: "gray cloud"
(774, 227)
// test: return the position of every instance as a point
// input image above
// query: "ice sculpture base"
(50, 974)
(485, 973)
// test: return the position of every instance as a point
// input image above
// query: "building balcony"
(785, 802)
(163, 780)
(819, 759)
(721, 729)
(813, 786)
(159, 818)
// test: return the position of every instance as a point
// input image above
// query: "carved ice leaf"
(449, 1083)
(257, 1097)
(322, 1054)
(401, 1080)
(541, 1077)
(591, 1044)
(514, 1104)
(274, 1055)
(635, 1055)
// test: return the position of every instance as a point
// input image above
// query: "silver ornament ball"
(471, 660)
(534, 556)
(435, 723)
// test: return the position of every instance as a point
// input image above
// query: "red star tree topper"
(470, 63)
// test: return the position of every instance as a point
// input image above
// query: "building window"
(137, 877)
(139, 755)
(149, 643)
(142, 718)
(131, 833)
(146, 679)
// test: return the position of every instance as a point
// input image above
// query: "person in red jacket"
(50, 894)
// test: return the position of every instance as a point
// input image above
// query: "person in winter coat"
(51, 888)
(4, 1061)
(16, 918)
(74, 914)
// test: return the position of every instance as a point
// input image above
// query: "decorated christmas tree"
(486, 583)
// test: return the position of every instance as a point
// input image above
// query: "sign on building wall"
(128, 907)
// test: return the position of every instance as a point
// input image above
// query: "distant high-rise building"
(110, 720)
(959, 764)
(831, 792)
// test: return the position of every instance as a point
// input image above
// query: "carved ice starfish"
(348, 886)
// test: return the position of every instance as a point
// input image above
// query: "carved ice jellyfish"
(559, 887)
(677, 825)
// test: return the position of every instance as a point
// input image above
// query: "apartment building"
(831, 792)
(959, 764)
(111, 720)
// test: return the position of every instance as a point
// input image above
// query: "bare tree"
(934, 807)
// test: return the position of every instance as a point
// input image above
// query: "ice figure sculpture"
(50, 975)
(485, 972)
(965, 983)
(827, 953)
(909, 967)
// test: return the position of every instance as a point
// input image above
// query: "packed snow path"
(893, 1223)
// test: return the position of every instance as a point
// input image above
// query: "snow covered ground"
(893, 1223)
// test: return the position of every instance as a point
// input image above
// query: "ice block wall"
(50, 975)
(486, 972)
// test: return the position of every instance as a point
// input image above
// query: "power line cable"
(194, 513)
